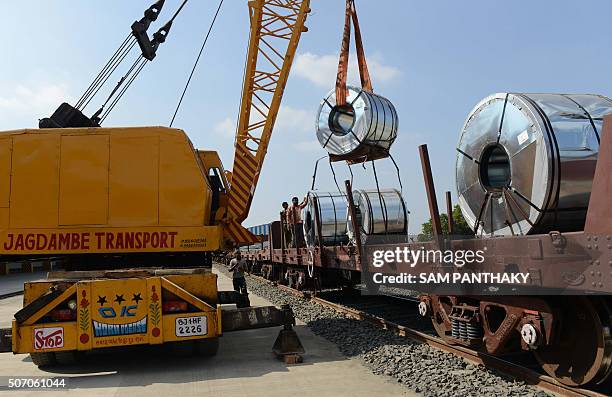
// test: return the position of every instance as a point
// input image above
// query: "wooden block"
(292, 358)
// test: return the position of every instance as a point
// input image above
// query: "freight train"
(535, 188)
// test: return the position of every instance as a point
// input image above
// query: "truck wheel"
(43, 359)
(181, 349)
(207, 347)
(68, 357)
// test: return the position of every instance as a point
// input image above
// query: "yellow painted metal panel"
(184, 195)
(5, 171)
(203, 286)
(84, 307)
(208, 327)
(34, 182)
(103, 240)
(119, 312)
(32, 224)
(134, 180)
(84, 180)
(155, 328)
(46, 337)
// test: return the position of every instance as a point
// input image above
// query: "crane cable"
(195, 65)
(106, 71)
(136, 68)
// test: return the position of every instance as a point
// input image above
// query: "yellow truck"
(72, 312)
(134, 215)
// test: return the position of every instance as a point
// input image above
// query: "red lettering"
(99, 236)
(119, 240)
(64, 241)
(19, 243)
(48, 338)
(172, 234)
(138, 240)
(75, 242)
(129, 240)
(146, 239)
(30, 241)
(9, 246)
(53, 242)
(109, 241)
(85, 241)
(155, 239)
(163, 237)
(38, 339)
(41, 241)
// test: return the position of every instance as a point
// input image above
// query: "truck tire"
(207, 347)
(180, 349)
(43, 359)
(68, 357)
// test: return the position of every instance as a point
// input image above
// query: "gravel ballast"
(418, 366)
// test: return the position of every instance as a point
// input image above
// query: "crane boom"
(276, 27)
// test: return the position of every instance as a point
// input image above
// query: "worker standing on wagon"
(294, 218)
(238, 266)
(285, 224)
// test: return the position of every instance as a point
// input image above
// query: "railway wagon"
(563, 314)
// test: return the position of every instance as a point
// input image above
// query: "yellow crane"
(127, 195)
(105, 200)
(276, 27)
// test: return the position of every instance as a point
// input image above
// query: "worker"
(294, 218)
(285, 224)
(238, 266)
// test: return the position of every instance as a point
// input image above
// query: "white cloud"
(289, 119)
(309, 147)
(292, 119)
(226, 127)
(322, 69)
(22, 105)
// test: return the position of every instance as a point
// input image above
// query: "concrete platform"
(244, 366)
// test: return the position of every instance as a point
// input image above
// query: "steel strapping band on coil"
(364, 128)
(379, 213)
(331, 217)
(525, 162)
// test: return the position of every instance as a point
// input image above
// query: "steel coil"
(325, 218)
(367, 121)
(525, 162)
(379, 213)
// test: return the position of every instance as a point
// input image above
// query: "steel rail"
(517, 371)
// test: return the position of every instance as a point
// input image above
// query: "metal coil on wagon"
(525, 162)
(324, 218)
(365, 127)
(379, 213)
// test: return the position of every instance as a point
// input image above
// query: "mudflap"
(287, 346)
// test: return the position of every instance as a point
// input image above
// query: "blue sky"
(433, 59)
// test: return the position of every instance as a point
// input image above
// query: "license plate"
(191, 326)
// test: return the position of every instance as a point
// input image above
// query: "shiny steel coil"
(325, 212)
(368, 121)
(525, 162)
(379, 213)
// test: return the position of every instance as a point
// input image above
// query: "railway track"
(389, 312)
